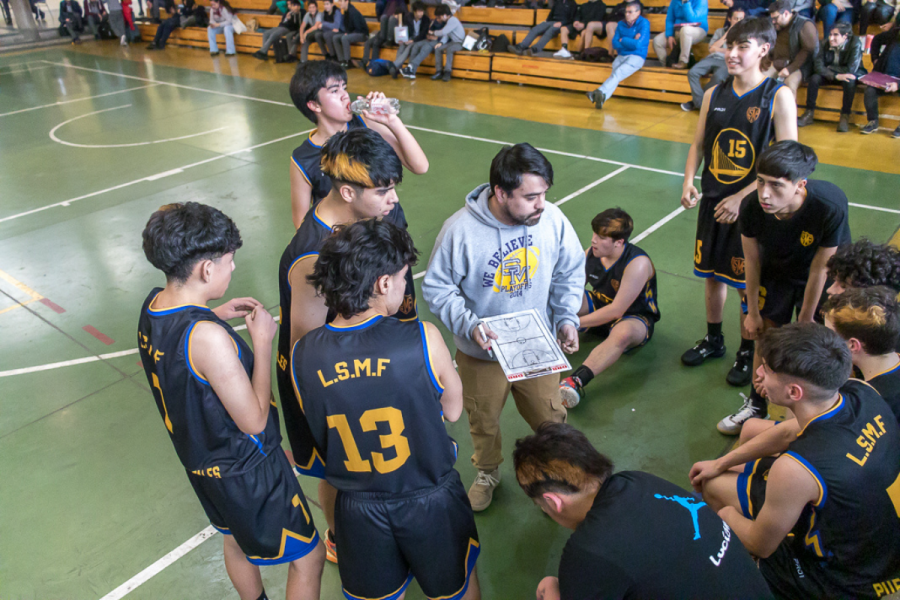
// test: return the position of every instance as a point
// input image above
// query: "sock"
(584, 375)
(714, 330)
(263, 596)
(747, 345)
(758, 401)
(565, 46)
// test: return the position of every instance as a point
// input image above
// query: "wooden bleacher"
(650, 83)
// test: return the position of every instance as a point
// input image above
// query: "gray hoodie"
(452, 31)
(481, 268)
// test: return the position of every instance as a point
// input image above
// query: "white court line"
(658, 224)
(24, 70)
(590, 186)
(56, 139)
(162, 563)
(61, 102)
(887, 210)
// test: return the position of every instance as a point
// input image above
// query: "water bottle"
(379, 106)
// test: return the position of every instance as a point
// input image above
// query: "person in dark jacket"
(355, 30)
(886, 58)
(839, 60)
(590, 19)
(289, 26)
(70, 18)
(94, 13)
(561, 14)
(795, 47)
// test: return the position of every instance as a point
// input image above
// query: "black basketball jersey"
(307, 157)
(605, 282)
(888, 385)
(738, 128)
(372, 402)
(852, 531)
(206, 438)
(305, 245)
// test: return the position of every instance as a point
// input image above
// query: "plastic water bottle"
(379, 106)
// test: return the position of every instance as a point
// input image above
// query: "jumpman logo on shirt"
(689, 503)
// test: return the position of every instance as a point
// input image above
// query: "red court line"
(53, 306)
(100, 336)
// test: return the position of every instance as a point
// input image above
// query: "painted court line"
(23, 70)
(145, 575)
(887, 210)
(589, 186)
(61, 102)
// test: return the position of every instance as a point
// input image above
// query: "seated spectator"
(424, 43)
(165, 29)
(154, 7)
(70, 19)
(839, 60)
(804, 8)
(193, 15)
(332, 23)
(449, 38)
(312, 21)
(417, 25)
(94, 15)
(289, 26)
(636, 535)
(864, 264)
(686, 19)
(392, 14)
(714, 64)
(131, 31)
(881, 13)
(562, 14)
(795, 46)
(38, 13)
(752, 8)
(220, 18)
(279, 7)
(836, 11)
(630, 44)
(886, 59)
(355, 30)
(590, 21)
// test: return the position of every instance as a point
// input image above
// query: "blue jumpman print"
(689, 503)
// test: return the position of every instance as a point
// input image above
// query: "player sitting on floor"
(373, 390)
(214, 397)
(636, 535)
(622, 306)
(790, 227)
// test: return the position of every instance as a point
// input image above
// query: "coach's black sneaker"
(741, 373)
(708, 347)
(731, 425)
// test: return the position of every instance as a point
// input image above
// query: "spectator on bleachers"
(38, 13)
(836, 11)
(70, 19)
(804, 8)
(391, 14)
(154, 7)
(131, 31)
(426, 44)
(590, 21)
(312, 21)
(686, 23)
(417, 25)
(94, 13)
(193, 15)
(630, 43)
(355, 30)
(448, 39)
(795, 47)
(752, 8)
(220, 18)
(562, 14)
(289, 26)
(886, 58)
(839, 60)
(117, 21)
(332, 23)
(881, 13)
(279, 7)
(714, 64)
(165, 29)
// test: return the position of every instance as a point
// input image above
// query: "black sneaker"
(687, 106)
(742, 372)
(732, 424)
(706, 348)
(871, 127)
(896, 133)
(437, 75)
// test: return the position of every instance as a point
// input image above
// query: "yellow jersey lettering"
(358, 365)
(322, 379)
(282, 362)
(394, 418)
(382, 365)
(158, 355)
(888, 586)
(868, 439)
(342, 372)
(354, 462)
(210, 472)
(860, 461)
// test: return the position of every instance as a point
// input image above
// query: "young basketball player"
(737, 119)
(824, 517)
(622, 307)
(363, 171)
(214, 397)
(864, 264)
(319, 90)
(373, 390)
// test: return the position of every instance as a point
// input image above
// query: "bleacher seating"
(650, 83)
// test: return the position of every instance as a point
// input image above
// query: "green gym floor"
(91, 492)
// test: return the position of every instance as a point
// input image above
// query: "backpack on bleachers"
(281, 50)
(596, 55)
(378, 67)
(500, 43)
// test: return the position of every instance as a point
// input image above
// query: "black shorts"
(718, 251)
(385, 540)
(264, 509)
(781, 301)
(794, 577)
(604, 330)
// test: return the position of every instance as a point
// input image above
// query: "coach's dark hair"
(362, 158)
(442, 10)
(613, 223)
(870, 315)
(780, 6)
(178, 236)
(752, 28)
(810, 352)
(353, 258)
(638, 3)
(843, 28)
(558, 458)
(787, 159)
(309, 78)
(512, 162)
(865, 264)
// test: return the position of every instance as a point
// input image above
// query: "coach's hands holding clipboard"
(568, 339)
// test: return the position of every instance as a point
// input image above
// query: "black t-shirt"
(888, 385)
(307, 157)
(647, 538)
(787, 247)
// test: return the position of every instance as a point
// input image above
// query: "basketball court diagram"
(525, 348)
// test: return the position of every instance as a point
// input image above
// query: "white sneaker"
(123, 42)
(732, 424)
(563, 53)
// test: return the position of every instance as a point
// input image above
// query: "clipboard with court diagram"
(524, 347)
